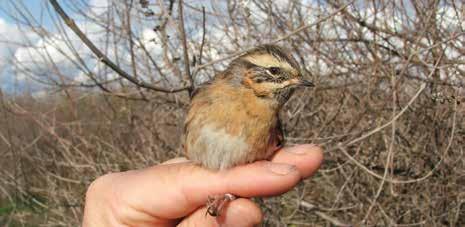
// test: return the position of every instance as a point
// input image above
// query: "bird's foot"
(216, 203)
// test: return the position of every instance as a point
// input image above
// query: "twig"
(5, 140)
(332, 220)
(390, 151)
(299, 29)
(1, 135)
(323, 215)
(413, 180)
(420, 90)
(422, 87)
(203, 35)
(131, 45)
(184, 47)
(341, 146)
(103, 58)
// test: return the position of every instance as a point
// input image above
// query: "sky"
(15, 81)
(35, 6)
(11, 36)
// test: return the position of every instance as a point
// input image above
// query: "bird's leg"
(216, 203)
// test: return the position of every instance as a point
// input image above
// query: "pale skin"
(175, 192)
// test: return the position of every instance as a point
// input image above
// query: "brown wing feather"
(276, 138)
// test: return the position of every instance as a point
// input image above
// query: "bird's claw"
(216, 203)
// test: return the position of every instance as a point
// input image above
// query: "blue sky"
(9, 33)
(34, 6)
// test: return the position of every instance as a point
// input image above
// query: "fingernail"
(281, 169)
(301, 149)
(176, 161)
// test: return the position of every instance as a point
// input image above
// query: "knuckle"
(100, 186)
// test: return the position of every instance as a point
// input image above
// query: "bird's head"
(270, 71)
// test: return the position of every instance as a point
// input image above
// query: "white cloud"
(54, 48)
(81, 78)
(40, 94)
(46, 54)
(11, 39)
(84, 78)
(152, 42)
(99, 6)
(8, 34)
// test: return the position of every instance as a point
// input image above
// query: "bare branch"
(103, 58)
(184, 47)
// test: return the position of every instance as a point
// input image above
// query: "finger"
(265, 178)
(186, 186)
(262, 178)
(307, 158)
(239, 212)
(176, 160)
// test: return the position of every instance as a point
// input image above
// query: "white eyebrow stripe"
(268, 60)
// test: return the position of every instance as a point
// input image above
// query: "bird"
(234, 119)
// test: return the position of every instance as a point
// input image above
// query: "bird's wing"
(279, 134)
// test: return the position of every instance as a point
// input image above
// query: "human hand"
(175, 192)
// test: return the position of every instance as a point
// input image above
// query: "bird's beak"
(306, 83)
(299, 82)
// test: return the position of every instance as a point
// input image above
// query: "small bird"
(234, 119)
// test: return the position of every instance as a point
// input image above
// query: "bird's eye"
(259, 80)
(274, 70)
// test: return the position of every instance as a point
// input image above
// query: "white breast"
(221, 150)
